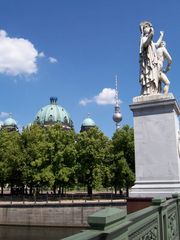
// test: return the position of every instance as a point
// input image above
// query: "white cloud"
(18, 56)
(85, 101)
(52, 60)
(41, 55)
(3, 33)
(4, 114)
(105, 97)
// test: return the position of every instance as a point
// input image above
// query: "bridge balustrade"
(160, 221)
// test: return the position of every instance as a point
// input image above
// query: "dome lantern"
(53, 100)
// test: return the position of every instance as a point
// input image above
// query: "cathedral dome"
(53, 114)
(87, 123)
(10, 124)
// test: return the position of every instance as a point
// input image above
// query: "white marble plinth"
(157, 156)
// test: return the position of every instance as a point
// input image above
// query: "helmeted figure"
(149, 71)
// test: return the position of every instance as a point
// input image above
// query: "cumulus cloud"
(4, 114)
(18, 56)
(41, 55)
(105, 97)
(85, 101)
(52, 60)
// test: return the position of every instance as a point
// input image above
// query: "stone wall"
(47, 216)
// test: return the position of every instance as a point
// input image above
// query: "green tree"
(122, 175)
(107, 166)
(3, 162)
(38, 168)
(123, 165)
(11, 159)
(123, 140)
(92, 148)
(62, 155)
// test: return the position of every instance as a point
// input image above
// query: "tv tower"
(117, 116)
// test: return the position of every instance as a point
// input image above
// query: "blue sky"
(72, 49)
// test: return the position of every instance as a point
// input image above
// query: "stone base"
(155, 189)
(136, 204)
(153, 98)
(157, 146)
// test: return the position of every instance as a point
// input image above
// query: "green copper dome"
(53, 114)
(88, 122)
(10, 122)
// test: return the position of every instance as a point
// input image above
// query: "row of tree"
(54, 159)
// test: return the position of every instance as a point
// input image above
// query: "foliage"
(11, 158)
(37, 172)
(123, 164)
(91, 148)
(54, 158)
(62, 155)
(122, 175)
(123, 140)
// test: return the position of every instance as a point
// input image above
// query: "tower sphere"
(117, 117)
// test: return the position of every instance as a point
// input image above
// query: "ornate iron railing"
(160, 221)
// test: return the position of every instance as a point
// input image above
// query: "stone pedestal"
(157, 151)
(136, 204)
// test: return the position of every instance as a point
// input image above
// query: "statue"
(163, 54)
(152, 56)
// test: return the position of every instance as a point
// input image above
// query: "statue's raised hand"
(162, 33)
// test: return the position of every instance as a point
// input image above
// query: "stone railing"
(160, 221)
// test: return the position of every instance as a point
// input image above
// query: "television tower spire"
(117, 116)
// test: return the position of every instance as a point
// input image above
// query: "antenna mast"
(117, 116)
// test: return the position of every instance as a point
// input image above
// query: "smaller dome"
(88, 122)
(10, 122)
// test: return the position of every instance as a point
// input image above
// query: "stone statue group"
(153, 77)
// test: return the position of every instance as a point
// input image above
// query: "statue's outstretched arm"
(160, 39)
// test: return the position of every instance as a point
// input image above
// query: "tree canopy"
(91, 146)
(43, 158)
(123, 165)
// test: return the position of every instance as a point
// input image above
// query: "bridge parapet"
(160, 221)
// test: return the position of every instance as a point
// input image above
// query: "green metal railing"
(160, 221)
